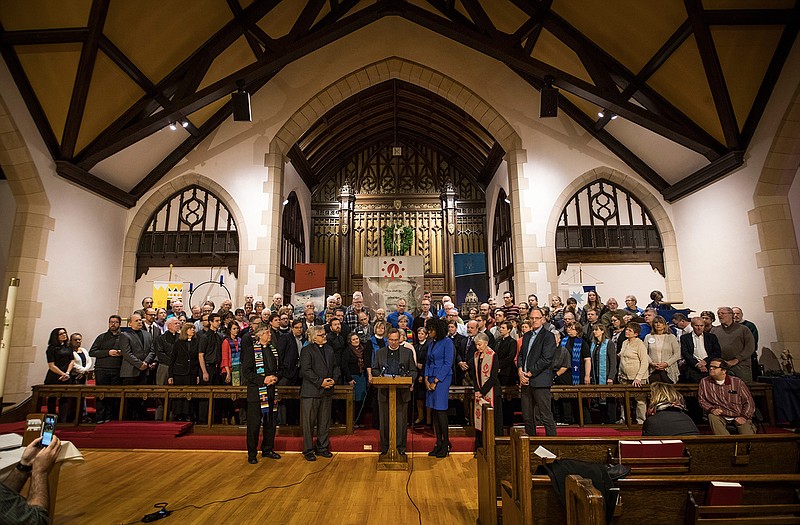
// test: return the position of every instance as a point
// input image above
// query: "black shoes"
(252, 460)
(310, 457)
(444, 451)
(617, 471)
(324, 454)
(436, 449)
(271, 455)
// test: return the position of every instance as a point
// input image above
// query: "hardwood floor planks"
(121, 486)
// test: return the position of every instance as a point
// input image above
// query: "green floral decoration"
(397, 240)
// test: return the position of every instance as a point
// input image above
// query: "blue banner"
(470, 270)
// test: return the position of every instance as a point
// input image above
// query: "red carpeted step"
(142, 428)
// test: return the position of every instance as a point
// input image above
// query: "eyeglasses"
(712, 367)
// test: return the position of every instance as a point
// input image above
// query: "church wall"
(557, 153)
(794, 204)
(195, 276)
(293, 183)
(8, 207)
(613, 280)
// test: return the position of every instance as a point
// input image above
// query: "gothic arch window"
(193, 227)
(292, 243)
(604, 223)
(502, 248)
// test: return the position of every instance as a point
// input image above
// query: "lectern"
(392, 460)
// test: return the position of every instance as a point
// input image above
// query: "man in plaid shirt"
(726, 399)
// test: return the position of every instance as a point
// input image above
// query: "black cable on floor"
(408, 480)
(246, 494)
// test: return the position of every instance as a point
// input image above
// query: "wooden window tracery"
(604, 223)
(292, 243)
(502, 242)
(193, 227)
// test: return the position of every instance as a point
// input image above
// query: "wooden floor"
(113, 487)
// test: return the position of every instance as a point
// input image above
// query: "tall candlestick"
(8, 324)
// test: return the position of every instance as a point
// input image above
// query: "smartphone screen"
(48, 428)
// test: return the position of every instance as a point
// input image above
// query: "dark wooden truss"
(613, 87)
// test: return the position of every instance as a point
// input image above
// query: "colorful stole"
(602, 361)
(577, 344)
(263, 393)
(483, 371)
(236, 365)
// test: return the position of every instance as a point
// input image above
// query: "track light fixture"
(185, 123)
(602, 113)
(241, 104)
(172, 126)
(548, 106)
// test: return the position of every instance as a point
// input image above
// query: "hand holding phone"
(48, 429)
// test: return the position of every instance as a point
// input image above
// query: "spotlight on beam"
(241, 104)
(549, 99)
(172, 126)
(612, 116)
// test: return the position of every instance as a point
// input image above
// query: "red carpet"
(181, 436)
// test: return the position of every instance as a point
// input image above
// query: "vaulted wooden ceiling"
(98, 76)
(393, 112)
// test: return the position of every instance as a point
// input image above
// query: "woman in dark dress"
(59, 371)
(666, 415)
(438, 376)
(421, 348)
(483, 370)
(261, 373)
(355, 361)
(184, 366)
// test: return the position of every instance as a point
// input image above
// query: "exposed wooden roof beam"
(94, 184)
(44, 36)
(713, 70)
(29, 96)
(83, 78)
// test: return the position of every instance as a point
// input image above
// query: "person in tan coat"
(633, 365)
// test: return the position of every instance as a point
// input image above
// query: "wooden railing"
(168, 393)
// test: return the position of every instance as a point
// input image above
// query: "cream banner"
(387, 279)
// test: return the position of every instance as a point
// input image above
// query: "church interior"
(623, 144)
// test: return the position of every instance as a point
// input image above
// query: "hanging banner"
(470, 270)
(309, 285)
(580, 293)
(389, 278)
(164, 291)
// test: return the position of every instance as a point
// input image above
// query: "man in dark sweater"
(107, 352)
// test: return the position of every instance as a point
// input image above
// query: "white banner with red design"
(390, 278)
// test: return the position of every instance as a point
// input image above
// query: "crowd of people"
(487, 346)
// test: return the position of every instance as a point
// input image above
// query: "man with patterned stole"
(483, 370)
(260, 372)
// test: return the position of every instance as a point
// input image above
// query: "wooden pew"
(660, 499)
(584, 502)
(707, 455)
(756, 514)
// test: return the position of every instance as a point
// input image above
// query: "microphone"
(402, 370)
(383, 370)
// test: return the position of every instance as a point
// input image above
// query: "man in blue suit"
(534, 366)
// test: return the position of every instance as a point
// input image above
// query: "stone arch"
(347, 86)
(127, 301)
(772, 217)
(672, 269)
(388, 69)
(27, 257)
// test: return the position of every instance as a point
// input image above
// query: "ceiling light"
(602, 114)
(185, 123)
(548, 104)
(172, 126)
(241, 104)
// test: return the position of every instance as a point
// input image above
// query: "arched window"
(502, 248)
(292, 243)
(603, 223)
(191, 228)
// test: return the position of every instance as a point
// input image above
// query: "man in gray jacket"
(394, 360)
(137, 356)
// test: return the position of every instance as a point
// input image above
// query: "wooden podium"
(392, 460)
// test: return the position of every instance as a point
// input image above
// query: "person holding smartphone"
(36, 463)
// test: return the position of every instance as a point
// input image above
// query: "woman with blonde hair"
(666, 415)
(664, 351)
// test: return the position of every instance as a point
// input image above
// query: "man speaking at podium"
(394, 360)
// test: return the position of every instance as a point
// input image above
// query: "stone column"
(528, 255)
(347, 201)
(267, 257)
(27, 252)
(449, 211)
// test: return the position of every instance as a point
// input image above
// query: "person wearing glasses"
(726, 399)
